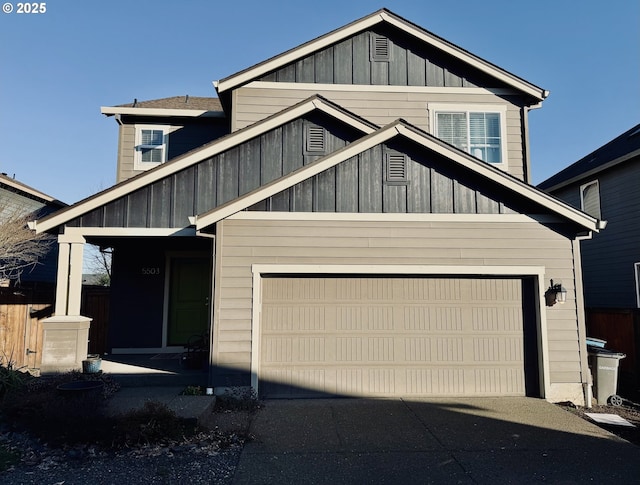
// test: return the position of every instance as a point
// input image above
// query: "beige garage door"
(391, 336)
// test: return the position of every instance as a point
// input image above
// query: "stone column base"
(65, 343)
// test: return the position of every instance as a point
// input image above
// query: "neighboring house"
(367, 227)
(17, 200)
(605, 184)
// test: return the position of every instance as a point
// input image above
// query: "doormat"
(166, 356)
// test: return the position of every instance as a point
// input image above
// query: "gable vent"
(380, 48)
(396, 167)
(315, 142)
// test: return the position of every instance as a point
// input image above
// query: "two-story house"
(605, 184)
(366, 228)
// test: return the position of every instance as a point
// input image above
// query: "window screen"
(477, 133)
(590, 199)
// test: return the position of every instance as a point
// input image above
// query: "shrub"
(154, 423)
(238, 399)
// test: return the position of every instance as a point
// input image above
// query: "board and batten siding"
(259, 101)
(608, 257)
(402, 61)
(183, 135)
(244, 242)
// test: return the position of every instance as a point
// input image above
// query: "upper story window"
(590, 199)
(150, 146)
(477, 130)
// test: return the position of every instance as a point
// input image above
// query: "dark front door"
(188, 299)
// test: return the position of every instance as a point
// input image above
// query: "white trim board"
(381, 16)
(161, 112)
(375, 88)
(384, 134)
(196, 156)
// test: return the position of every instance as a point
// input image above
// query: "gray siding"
(608, 257)
(170, 201)
(185, 134)
(433, 185)
(242, 243)
(410, 63)
(257, 102)
(358, 185)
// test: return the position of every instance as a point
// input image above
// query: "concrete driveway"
(481, 440)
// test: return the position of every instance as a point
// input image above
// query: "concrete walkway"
(133, 398)
(505, 440)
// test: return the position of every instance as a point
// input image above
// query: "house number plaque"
(150, 271)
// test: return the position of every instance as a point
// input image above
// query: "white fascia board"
(253, 72)
(364, 126)
(192, 158)
(295, 53)
(163, 112)
(300, 175)
(75, 234)
(26, 189)
(384, 134)
(469, 58)
(515, 185)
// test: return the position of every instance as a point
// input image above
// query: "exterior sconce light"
(555, 294)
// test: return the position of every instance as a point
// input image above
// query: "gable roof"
(381, 16)
(385, 134)
(24, 189)
(188, 106)
(195, 156)
(618, 150)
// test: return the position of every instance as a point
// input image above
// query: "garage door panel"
(391, 336)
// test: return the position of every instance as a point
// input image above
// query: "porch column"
(66, 334)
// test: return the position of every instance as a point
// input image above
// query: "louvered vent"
(379, 48)
(315, 139)
(396, 167)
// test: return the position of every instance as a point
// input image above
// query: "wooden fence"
(22, 311)
(621, 329)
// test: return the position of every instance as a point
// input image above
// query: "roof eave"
(400, 127)
(60, 218)
(383, 15)
(161, 112)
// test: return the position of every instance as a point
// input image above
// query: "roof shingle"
(178, 102)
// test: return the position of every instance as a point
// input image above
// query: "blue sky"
(57, 68)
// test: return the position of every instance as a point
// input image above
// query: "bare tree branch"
(98, 263)
(20, 248)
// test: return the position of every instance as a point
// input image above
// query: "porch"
(147, 370)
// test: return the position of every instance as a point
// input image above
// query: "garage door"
(391, 336)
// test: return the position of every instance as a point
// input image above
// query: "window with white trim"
(590, 199)
(150, 146)
(477, 130)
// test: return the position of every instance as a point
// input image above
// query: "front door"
(189, 291)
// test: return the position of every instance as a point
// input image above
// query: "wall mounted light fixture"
(555, 294)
